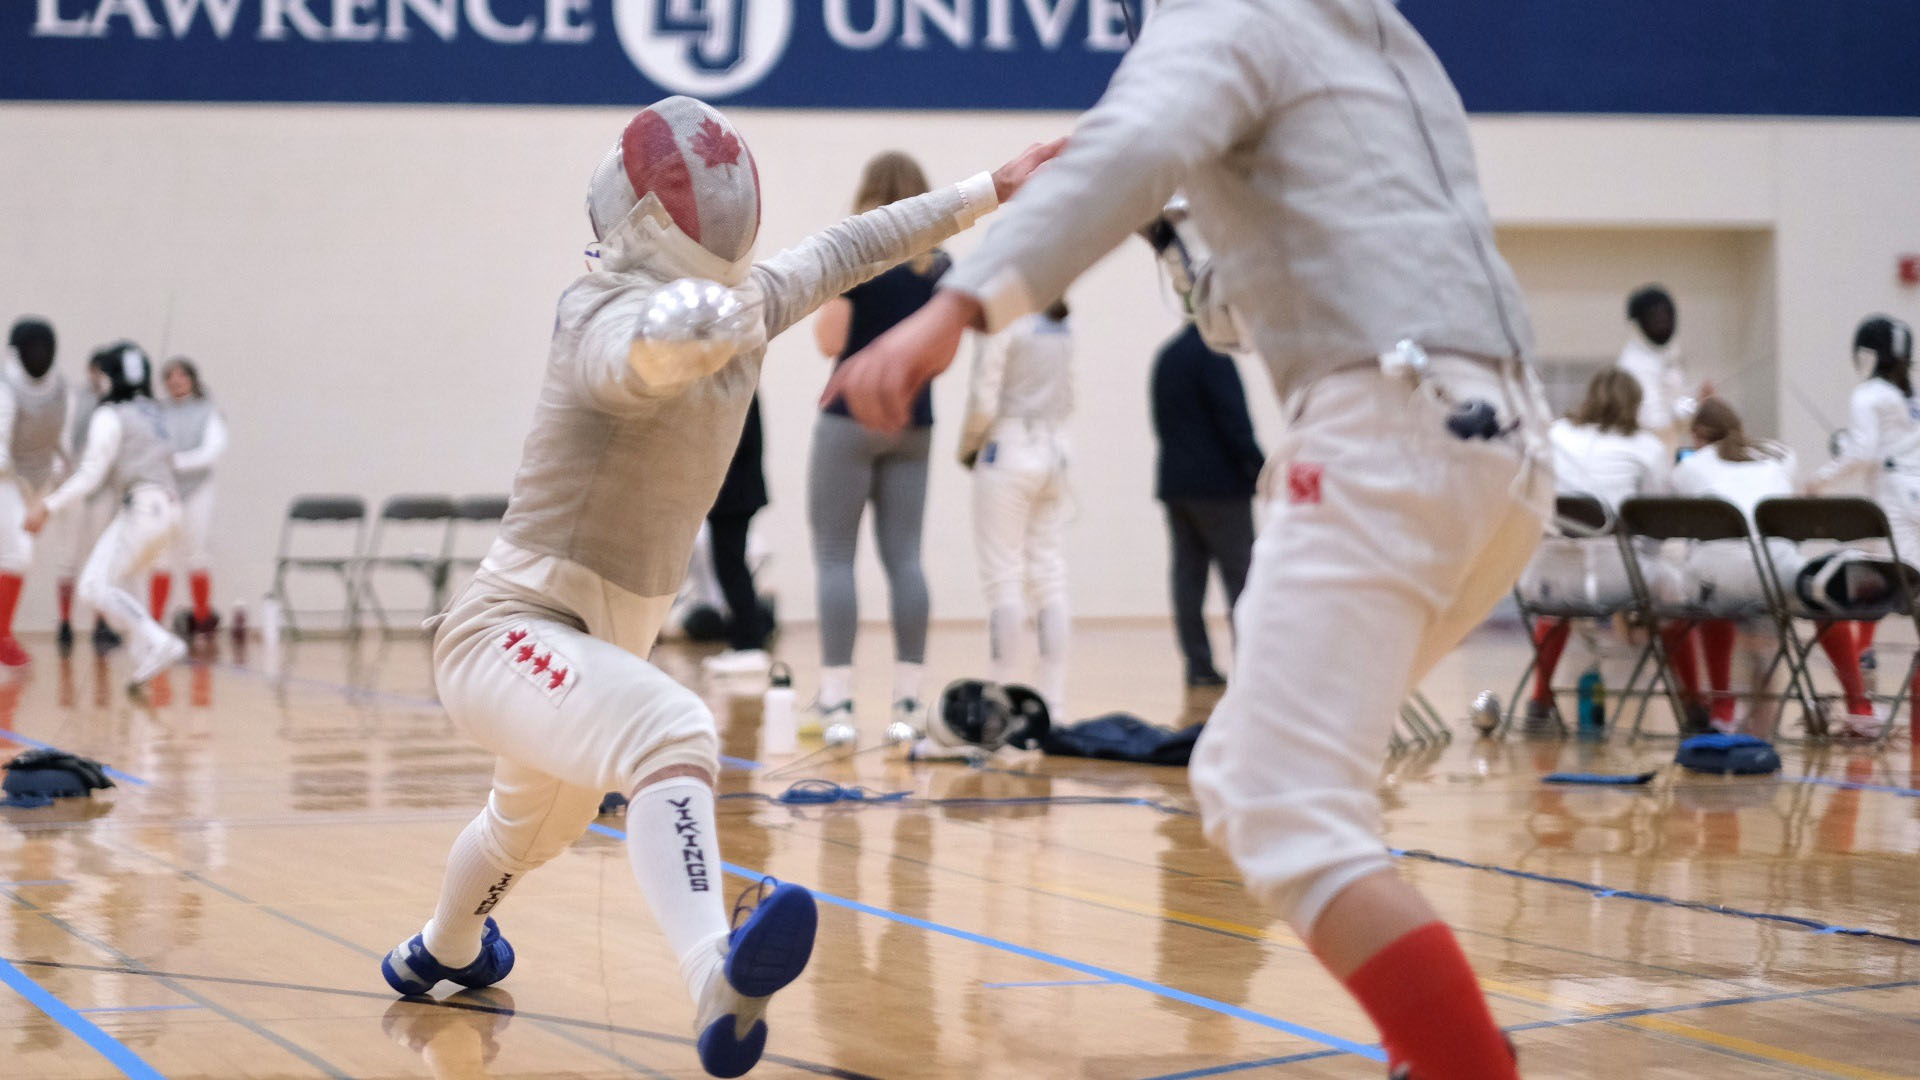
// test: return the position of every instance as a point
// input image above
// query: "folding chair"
(1576, 517)
(422, 524)
(1418, 727)
(1698, 520)
(1844, 521)
(476, 521)
(333, 513)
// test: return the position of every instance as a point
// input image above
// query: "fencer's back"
(1363, 182)
(623, 493)
(146, 455)
(40, 415)
(1038, 381)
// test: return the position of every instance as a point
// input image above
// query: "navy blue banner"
(1752, 57)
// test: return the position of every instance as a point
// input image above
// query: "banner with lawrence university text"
(1751, 57)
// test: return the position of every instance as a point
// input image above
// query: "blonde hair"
(1716, 424)
(888, 178)
(1612, 404)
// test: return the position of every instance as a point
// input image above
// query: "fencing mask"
(678, 195)
(1882, 344)
(127, 370)
(32, 340)
(979, 713)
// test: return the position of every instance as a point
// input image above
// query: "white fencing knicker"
(1021, 504)
(16, 544)
(137, 536)
(1392, 539)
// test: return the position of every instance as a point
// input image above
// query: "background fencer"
(199, 438)
(1327, 160)
(127, 456)
(33, 416)
(655, 357)
(1015, 441)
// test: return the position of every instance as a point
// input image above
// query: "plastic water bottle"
(270, 625)
(1593, 703)
(779, 729)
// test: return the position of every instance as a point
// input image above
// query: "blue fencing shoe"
(765, 952)
(411, 970)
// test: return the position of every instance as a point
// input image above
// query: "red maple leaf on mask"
(716, 145)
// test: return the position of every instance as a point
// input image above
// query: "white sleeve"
(213, 443)
(6, 428)
(983, 390)
(797, 281)
(1656, 465)
(1202, 75)
(103, 446)
(1860, 452)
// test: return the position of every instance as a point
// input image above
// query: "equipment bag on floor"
(1739, 755)
(40, 776)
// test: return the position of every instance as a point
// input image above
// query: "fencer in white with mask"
(1015, 441)
(541, 658)
(128, 456)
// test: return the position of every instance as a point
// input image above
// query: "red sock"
(1550, 635)
(157, 589)
(1421, 993)
(1678, 638)
(1838, 641)
(65, 591)
(202, 585)
(9, 597)
(1863, 635)
(1716, 640)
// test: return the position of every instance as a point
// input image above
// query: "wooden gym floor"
(221, 913)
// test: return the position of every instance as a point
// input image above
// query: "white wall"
(369, 290)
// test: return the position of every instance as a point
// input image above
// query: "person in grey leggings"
(852, 467)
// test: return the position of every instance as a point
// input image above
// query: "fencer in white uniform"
(33, 413)
(1652, 356)
(71, 534)
(1328, 166)
(1015, 441)
(127, 455)
(199, 435)
(541, 658)
(1600, 450)
(1882, 443)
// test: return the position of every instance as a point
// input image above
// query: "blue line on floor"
(1052, 982)
(137, 1008)
(1854, 785)
(38, 745)
(116, 1052)
(1372, 1053)
(1243, 1066)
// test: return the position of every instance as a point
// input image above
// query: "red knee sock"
(64, 590)
(9, 598)
(201, 583)
(1421, 993)
(1678, 639)
(157, 589)
(1838, 641)
(1550, 636)
(1716, 640)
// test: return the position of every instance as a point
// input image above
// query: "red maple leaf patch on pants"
(1303, 483)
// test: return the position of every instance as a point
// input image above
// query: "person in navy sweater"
(1208, 467)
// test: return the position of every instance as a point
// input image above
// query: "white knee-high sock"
(474, 886)
(674, 846)
(1006, 634)
(1055, 626)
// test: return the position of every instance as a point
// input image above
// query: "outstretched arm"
(1199, 79)
(800, 279)
(103, 445)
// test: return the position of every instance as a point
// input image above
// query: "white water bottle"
(779, 730)
(270, 625)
